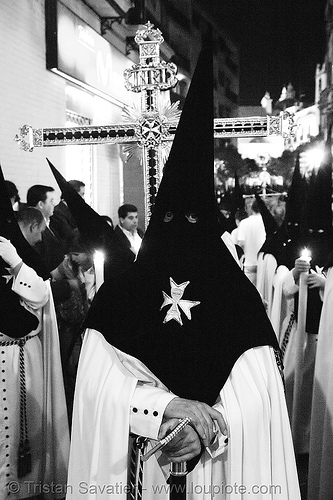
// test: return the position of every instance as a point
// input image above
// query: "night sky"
(280, 41)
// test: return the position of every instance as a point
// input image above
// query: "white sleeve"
(147, 408)
(227, 240)
(240, 233)
(30, 287)
(289, 286)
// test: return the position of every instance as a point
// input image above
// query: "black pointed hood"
(238, 202)
(320, 215)
(276, 236)
(185, 308)
(309, 211)
(276, 244)
(320, 209)
(92, 227)
(268, 218)
(297, 198)
(296, 214)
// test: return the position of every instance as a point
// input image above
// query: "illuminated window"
(79, 164)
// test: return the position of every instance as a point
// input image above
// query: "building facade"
(62, 63)
(324, 76)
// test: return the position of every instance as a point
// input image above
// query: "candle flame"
(306, 254)
(99, 256)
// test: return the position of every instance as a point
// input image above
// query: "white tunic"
(320, 485)
(251, 232)
(258, 462)
(46, 408)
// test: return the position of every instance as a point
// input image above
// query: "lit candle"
(305, 255)
(300, 342)
(99, 268)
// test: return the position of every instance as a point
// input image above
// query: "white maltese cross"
(176, 302)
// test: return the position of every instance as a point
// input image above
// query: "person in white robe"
(32, 402)
(257, 462)
(299, 405)
(182, 333)
(320, 480)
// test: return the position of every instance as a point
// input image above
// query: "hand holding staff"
(163, 442)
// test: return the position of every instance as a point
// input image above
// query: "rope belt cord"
(136, 468)
(286, 336)
(24, 453)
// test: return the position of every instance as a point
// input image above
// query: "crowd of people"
(43, 308)
(296, 294)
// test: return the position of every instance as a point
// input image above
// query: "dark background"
(280, 41)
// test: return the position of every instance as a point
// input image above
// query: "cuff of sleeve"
(220, 443)
(289, 285)
(15, 262)
(147, 409)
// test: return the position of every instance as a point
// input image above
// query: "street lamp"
(311, 159)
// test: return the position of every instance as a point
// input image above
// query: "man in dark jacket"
(62, 221)
(127, 235)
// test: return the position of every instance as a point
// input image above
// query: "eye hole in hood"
(191, 217)
(168, 216)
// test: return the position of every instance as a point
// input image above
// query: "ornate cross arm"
(30, 138)
(256, 126)
(260, 126)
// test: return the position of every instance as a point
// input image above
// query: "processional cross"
(153, 126)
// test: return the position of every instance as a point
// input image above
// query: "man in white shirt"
(128, 225)
(251, 237)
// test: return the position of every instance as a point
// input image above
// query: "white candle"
(303, 295)
(99, 268)
(299, 350)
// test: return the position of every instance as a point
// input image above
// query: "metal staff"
(177, 480)
(178, 471)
